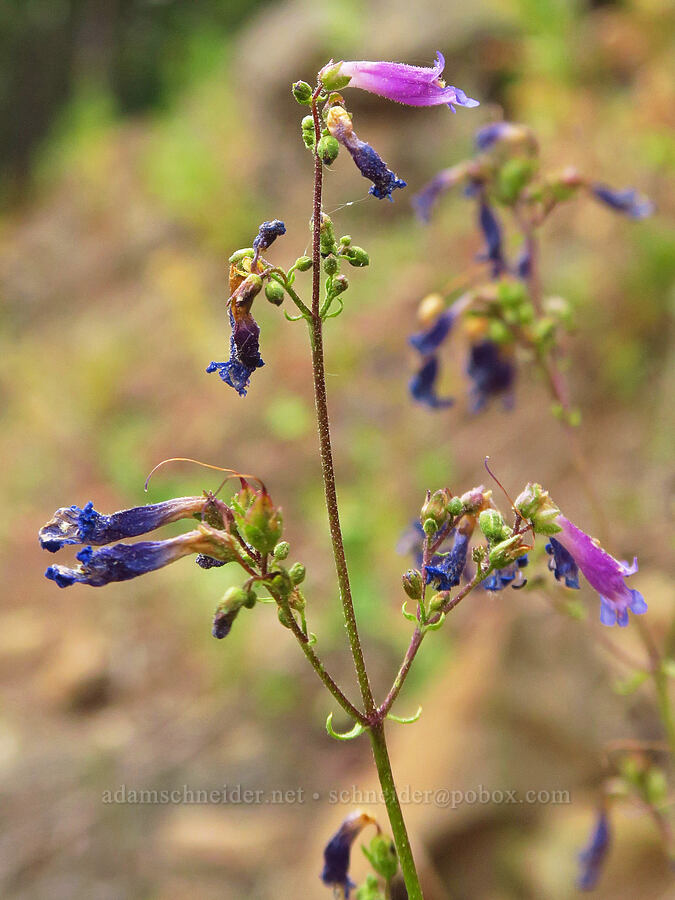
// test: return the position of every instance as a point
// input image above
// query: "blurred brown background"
(141, 143)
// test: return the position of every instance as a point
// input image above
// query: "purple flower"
(268, 233)
(425, 199)
(562, 565)
(422, 386)
(491, 134)
(593, 856)
(412, 541)
(338, 849)
(412, 85)
(72, 525)
(244, 348)
(369, 164)
(604, 573)
(492, 232)
(628, 201)
(491, 371)
(446, 570)
(125, 561)
(428, 341)
(501, 578)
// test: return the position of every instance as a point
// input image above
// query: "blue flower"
(369, 164)
(209, 562)
(563, 565)
(337, 852)
(426, 342)
(422, 386)
(125, 561)
(412, 541)
(244, 348)
(493, 239)
(491, 371)
(501, 578)
(628, 201)
(267, 234)
(593, 856)
(447, 571)
(425, 199)
(72, 525)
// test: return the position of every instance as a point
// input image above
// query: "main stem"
(376, 730)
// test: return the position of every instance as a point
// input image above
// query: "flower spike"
(412, 85)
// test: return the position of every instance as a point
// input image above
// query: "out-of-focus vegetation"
(143, 142)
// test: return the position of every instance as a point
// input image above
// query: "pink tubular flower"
(412, 85)
(604, 573)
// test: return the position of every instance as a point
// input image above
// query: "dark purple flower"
(628, 201)
(446, 571)
(267, 234)
(604, 573)
(369, 164)
(336, 855)
(72, 525)
(428, 341)
(524, 263)
(593, 856)
(425, 199)
(412, 85)
(412, 541)
(502, 578)
(244, 348)
(491, 371)
(562, 565)
(124, 561)
(491, 134)
(209, 562)
(422, 386)
(492, 232)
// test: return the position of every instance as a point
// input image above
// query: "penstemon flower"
(593, 856)
(335, 872)
(412, 85)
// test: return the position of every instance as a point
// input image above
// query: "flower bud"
(475, 499)
(227, 611)
(535, 505)
(308, 133)
(436, 507)
(504, 553)
(382, 856)
(262, 524)
(412, 584)
(437, 601)
(331, 79)
(282, 550)
(297, 573)
(430, 527)
(356, 256)
(326, 235)
(340, 285)
(330, 265)
(328, 149)
(303, 263)
(302, 92)
(346, 240)
(492, 524)
(274, 293)
(455, 506)
(245, 253)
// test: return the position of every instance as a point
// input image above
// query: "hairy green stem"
(398, 829)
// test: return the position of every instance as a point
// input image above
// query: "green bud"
(356, 256)
(475, 499)
(436, 507)
(285, 617)
(233, 598)
(302, 92)
(412, 584)
(262, 524)
(499, 332)
(297, 573)
(328, 149)
(274, 292)
(303, 263)
(330, 265)
(437, 601)
(346, 240)
(511, 293)
(535, 505)
(238, 255)
(512, 178)
(282, 549)
(504, 553)
(369, 890)
(656, 786)
(491, 523)
(339, 285)
(326, 235)
(308, 133)
(282, 585)
(331, 79)
(381, 853)
(251, 599)
(430, 527)
(455, 506)
(526, 314)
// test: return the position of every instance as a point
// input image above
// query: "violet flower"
(502, 578)
(244, 348)
(604, 573)
(422, 386)
(338, 849)
(446, 571)
(491, 371)
(429, 340)
(562, 564)
(593, 856)
(412, 85)
(125, 561)
(369, 164)
(492, 232)
(628, 201)
(72, 525)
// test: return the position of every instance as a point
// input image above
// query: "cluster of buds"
(441, 542)
(502, 315)
(247, 532)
